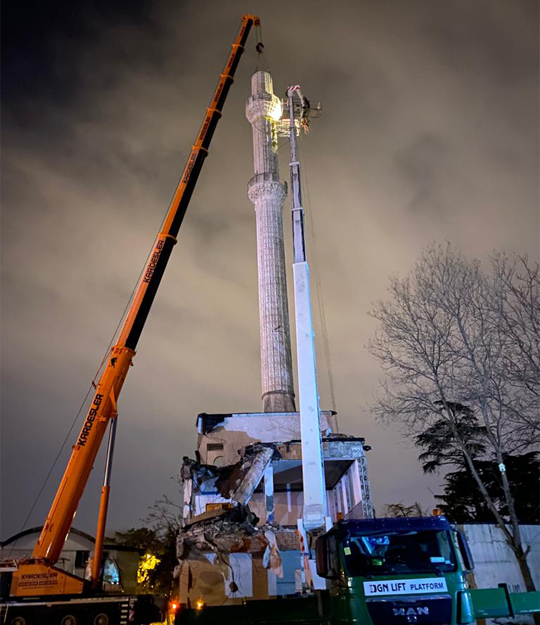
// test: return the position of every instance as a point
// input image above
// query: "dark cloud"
(420, 163)
(429, 132)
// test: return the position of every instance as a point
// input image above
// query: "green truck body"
(382, 572)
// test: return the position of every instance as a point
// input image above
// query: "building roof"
(209, 422)
(37, 530)
(73, 530)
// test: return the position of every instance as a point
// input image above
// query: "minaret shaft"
(267, 194)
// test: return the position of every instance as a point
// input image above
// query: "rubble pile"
(221, 531)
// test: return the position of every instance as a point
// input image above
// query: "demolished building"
(243, 494)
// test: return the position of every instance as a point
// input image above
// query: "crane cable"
(259, 47)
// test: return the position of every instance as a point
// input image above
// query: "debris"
(220, 531)
(272, 557)
(239, 481)
(236, 481)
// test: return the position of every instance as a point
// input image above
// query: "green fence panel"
(525, 602)
(489, 602)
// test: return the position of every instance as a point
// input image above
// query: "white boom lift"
(315, 512)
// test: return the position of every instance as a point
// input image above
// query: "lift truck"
(382, 572)
(36, 591)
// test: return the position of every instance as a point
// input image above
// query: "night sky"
(429, 133)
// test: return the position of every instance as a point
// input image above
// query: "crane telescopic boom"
(104, 403)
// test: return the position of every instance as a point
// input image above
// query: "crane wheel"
(19, 620)
(99, 618)
(69, 619)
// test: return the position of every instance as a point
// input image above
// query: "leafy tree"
(445, 341)
(440, 445)
(462, 500)
(138, 538)
(158, 539)
(159, 559)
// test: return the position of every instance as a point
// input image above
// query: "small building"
(120, 563)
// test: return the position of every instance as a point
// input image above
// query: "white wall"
(24, 546)
(494, 562)
(241, 430)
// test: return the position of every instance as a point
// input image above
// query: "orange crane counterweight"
(38, 576)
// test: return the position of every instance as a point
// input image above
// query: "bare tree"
(400, 510)
(514, 297)
(166, 513)
(444, 342)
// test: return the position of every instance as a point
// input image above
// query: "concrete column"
(269, 493)
(267, 193)
(344, 494)
(354, 473)
(188, 494)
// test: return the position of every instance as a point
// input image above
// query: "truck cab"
(404, 570)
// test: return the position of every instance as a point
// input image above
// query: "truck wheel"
(69, 619)
(20, 620)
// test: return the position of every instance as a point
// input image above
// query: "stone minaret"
(267, 193)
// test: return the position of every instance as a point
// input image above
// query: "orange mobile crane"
(38, 577)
